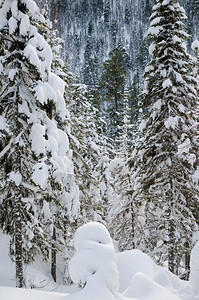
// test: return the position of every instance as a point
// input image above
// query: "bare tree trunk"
(54, 257)
(18, 246)
(171, 252)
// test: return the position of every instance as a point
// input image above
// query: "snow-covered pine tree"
(102, 172)
(85, 143)
(36, 165)
(122, 210)
(166, 157)
(63, 223)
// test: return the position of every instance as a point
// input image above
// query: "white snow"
(40, 174)
(166, 2)
(3, 125)
(95, 256)
(140, 278)
(15, 177)
(195, 45)
(37, 138)
(151, 50)
(171, 122)
(196, 175)
(194, 264)
(31, 53)
(151, 290)
(167, 83)
(24, 24)
(184, 147)
(44, 92)
(12, 23)
(154, 30)
(157, 105)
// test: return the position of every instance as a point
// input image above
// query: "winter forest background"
(99, 121)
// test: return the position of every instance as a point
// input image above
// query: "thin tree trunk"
(54, 257)
(187, 261)
(18, 247)
(171, 251)
(133, 224)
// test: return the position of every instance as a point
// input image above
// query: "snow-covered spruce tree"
(63, 223)
(86, 146)
(36, 165)
(166, 157)
(121, 212)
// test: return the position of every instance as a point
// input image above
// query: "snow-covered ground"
(102, 273)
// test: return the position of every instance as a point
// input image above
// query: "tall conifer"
(166, 157)
(35, 167)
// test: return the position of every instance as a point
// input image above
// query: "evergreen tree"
(166, 156)
(63, 223)
(36, 165)
(122, 211)
(111, 88)
(85, 143)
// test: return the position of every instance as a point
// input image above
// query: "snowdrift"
(129, 275)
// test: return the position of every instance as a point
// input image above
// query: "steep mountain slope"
(91, 29)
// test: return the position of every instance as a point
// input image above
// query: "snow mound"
(93, 231)
(194, 264)
(7, 293)
(95, 257)
(151, 290)
(7, 269)
(134, 261)
(140, 277)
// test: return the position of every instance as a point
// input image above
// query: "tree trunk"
(53, 257)
(18, 247)
(187, 261)
(133, 225)
(171, 251)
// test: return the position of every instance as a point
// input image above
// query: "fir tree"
(111, 89)
(166, 157)
(36, 165)
(122, 210)
(85, 143)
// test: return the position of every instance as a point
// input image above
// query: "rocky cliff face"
(92, 28)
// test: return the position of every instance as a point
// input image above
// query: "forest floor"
(140, 279)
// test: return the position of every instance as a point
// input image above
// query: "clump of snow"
(151, 49)
(195, 45)
(24, 24)
(166, 2)
(134, 261)
(154, 30)
(43, 92)
(157, 105)
(194, 272)
(37, 137)
(12, 25)
(40, 174)
(95, 256)
(196, 175)
(115, 163)
(167, 83)
(171, 122)
(15, 177)
(184, 147)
